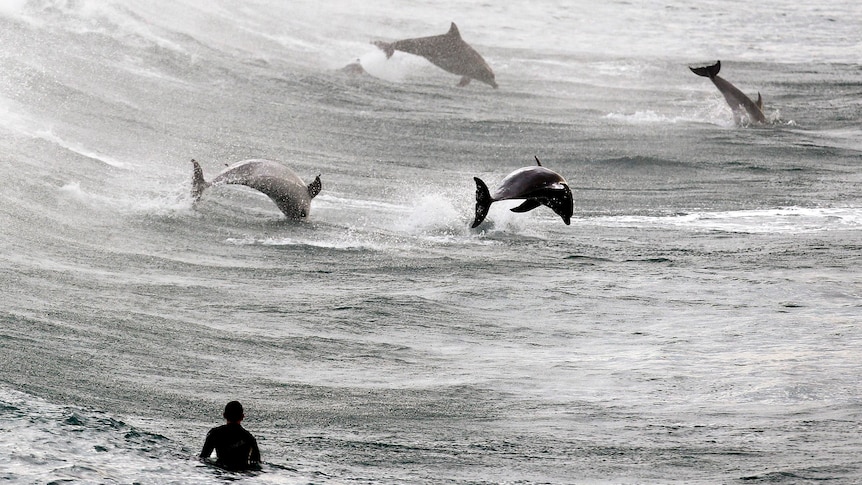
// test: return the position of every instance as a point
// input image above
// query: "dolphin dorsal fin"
(537, 160)
(453, 31)
(759, 101)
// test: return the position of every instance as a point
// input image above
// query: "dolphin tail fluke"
(759, 101)
(198, 182)
(483, 201)
(707, 71)
(387, 47)
(315, 187)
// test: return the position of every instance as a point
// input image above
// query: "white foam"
(646, 118)
(58, 444)
(788, 220)
(13, 120)
(350, 242)
(80, 149)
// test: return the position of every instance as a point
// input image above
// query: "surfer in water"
(235, 447)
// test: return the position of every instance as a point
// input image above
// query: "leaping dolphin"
(738, 101)
(448, 52)
(275, 180)
(538, 185)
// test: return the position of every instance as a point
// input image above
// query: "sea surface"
(700, 320)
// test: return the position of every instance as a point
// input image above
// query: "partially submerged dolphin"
(448, 52)
(538, 185)
(354, 68)
(738, 101)
(275, 180)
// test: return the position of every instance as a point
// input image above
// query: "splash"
(12, 8)
(395, 69)
(160, 204)
(434, 214)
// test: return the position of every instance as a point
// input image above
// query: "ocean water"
(700, 320)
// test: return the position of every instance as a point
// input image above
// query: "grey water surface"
(698, 322)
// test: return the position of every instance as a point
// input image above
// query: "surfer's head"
(233, 412)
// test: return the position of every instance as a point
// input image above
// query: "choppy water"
(698, 322)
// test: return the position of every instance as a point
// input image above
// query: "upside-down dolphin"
(278, 182)
(448, 52)
(538, 185)
(738, 101)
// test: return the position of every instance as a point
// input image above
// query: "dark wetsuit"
(235, 447)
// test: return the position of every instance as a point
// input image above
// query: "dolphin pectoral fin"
(198, 182)
(527, 206)
(386, 47)
(464, 81)
(483, 202)
(315, 187)
(759, 101)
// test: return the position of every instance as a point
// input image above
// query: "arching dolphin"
(275, 180)
(448, 52)
(538, 185)
(738, 101)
